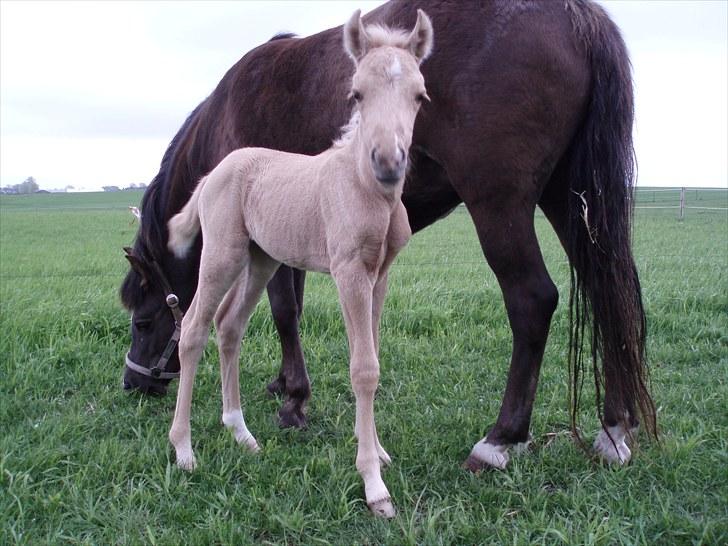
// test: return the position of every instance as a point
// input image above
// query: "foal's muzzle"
(389, 168)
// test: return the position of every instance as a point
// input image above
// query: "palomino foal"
(339, 212)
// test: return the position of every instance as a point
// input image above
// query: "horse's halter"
(158, 370)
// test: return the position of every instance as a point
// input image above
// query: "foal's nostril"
(125, 385)
(401, 154)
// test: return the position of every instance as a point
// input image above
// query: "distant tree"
(111, 188)
(29, 185)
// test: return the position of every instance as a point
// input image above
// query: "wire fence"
(682, 199)
(685, 202)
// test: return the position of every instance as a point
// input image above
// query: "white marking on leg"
(491, 454)
(236, 423)
(606, 449)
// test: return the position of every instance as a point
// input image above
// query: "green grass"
(83, 462)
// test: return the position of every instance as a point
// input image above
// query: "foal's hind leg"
(218, 271)
(231, 322)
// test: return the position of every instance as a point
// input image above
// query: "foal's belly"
(290, 238)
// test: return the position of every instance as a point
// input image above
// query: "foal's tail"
(605, 302)
(185, 225)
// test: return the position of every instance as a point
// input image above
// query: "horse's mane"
(283, 36)
(149, 242)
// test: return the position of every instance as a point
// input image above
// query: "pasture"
(81, 461)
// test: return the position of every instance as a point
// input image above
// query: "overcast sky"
(91, 93)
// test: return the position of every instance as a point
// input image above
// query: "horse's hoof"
(276, 387)
(485, 455)
(383, 508)
(606, 450)
(294, 418)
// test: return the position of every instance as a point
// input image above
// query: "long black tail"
(605, 303)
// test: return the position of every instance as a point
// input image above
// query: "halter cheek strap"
(158, 370)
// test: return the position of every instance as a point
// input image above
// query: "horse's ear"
(421, 38)
(136, 264)
(356, 41)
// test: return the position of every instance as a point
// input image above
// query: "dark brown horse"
(532, 105)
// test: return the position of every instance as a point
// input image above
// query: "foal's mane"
(382, 35)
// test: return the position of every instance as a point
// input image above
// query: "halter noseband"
(158, 370)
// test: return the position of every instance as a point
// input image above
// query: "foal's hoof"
(186, 463)
(383, 508)
(485, 455)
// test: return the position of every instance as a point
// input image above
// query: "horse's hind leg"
(285, 292)
(506, 231)
(610, 443)
(218, 271)
(231, 321)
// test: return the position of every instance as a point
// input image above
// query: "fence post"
(682, 203)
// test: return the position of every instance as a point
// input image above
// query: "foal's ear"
(356, 41)
(421, 38)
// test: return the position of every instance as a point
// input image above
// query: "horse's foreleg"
(285, 292)
(510, 245)
(231, 322)
(355, 292)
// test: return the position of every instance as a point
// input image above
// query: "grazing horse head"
(388, 89)
(147, 369)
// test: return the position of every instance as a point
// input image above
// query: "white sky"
(91, 93)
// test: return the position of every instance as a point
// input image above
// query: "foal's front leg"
(355, 287)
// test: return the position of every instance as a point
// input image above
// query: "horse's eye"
(356, 95)
(142, 324)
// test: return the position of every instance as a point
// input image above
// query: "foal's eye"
(356, 95)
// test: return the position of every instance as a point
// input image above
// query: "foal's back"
(289, 204)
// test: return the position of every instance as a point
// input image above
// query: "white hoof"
(613, 452)
(186, 461)
(486, 454)
(234, 421)
(383, 508)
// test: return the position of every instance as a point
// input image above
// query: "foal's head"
(388, 89)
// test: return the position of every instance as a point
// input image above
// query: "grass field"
(81, 461)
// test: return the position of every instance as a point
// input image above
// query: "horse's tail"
(185, 225)
(605, 302)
